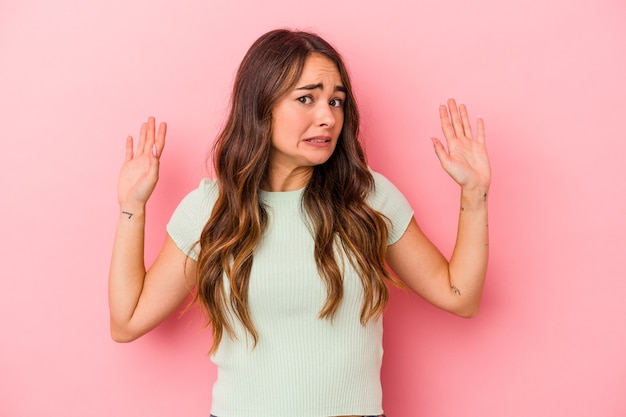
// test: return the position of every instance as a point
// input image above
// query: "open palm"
(140, 171)
(465, 159)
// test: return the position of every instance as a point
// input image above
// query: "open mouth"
(318, 139)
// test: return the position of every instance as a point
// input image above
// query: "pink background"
(76, 77)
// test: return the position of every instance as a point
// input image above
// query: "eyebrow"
(321, 87)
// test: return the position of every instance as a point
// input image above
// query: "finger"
(160, 139)
(480, 126)
(446, 125)
(467, 126)
(142, 138)
(148, 145)
(440, 151)
(129, 149)
(456, 118)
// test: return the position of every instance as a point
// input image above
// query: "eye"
(336, 102)
(305, 99)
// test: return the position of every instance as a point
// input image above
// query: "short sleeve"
(190, 217)
(388, 200)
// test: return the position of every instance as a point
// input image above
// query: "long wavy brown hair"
(334, 198)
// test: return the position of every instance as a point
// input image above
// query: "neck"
(287, 179)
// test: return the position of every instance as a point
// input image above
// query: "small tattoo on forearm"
(129, 214)
(485, 197)
(462, 208)
(456, 290)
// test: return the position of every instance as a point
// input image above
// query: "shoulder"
(383, 191)
(208, 187)
(192, 213)
(390, 202)
(205, 194)
(380, 180)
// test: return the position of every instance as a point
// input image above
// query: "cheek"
(283, 135)
(340, 123)
(280, 127)
(287, 121)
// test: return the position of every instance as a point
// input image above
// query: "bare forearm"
(468, 264)
(127, 273)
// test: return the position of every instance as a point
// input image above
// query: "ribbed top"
(302, 365)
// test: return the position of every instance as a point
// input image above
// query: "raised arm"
(140, 299)
(455, 285)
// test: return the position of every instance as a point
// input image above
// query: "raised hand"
(465, 159)
(140, 171)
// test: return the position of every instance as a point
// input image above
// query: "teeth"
(318, 140)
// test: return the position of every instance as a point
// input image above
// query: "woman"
(286, 249)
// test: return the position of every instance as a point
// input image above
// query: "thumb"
(441, 152)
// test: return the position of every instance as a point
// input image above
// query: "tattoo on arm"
(455, 290)
(129, 214)
(485, 197)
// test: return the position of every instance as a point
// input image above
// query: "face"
(307, 120)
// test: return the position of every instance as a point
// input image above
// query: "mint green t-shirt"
(302, 365)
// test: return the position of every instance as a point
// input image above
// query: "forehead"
(320, 68)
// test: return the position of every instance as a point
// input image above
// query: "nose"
(326, 116)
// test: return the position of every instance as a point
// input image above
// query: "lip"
(318, 140)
